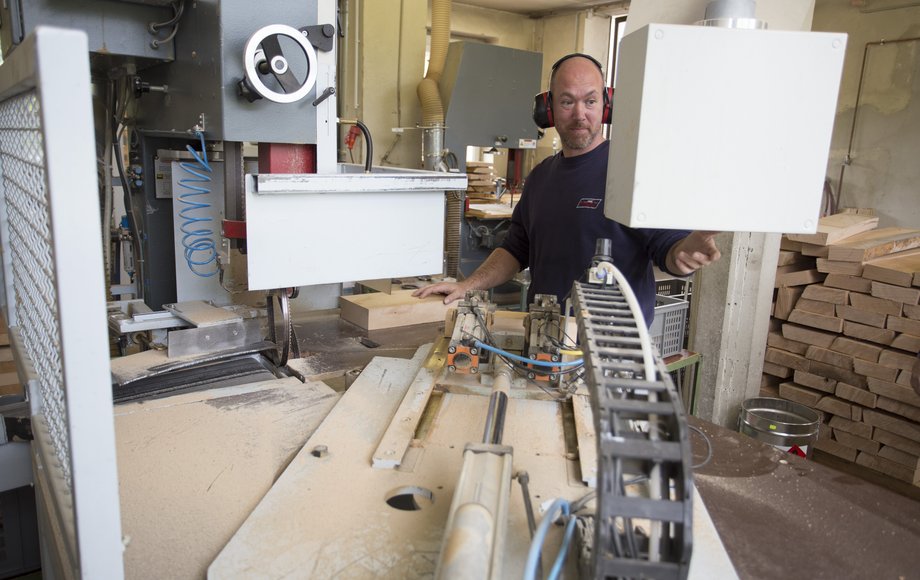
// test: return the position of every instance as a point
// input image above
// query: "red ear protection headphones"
(543, 103)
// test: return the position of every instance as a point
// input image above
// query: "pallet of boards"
(480, 179)
(844, 339)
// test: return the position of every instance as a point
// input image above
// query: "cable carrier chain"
(641, 432)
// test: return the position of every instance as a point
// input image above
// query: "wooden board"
(786, 359)
(854, 427)
(897, 359)
(798, 394)
(490, 211)
(377, 310)
(873, 304)
(786, 244)
(875, 244)
(857, 348)
(894, 391)
(776, 370)
(776, 340)
(808, 335)
(898, 456)
(814, 381)
(909, 296)
(787, 258)
(862, 316)
(881, 465)
(193, 466)
(836, 449)
(786, 299)
(898, 408)
(795, 276)
(816, 306)
(328, 517)
(814, 251)
(870, 333)
(829, 323)
(847, 282)
(912, 312)
(837, 227)
(875, 370)
(830, 357)
(826, 294)
(907, 342)
(899, 269)
(826, 266)
(835, 406)
(894, 440)
(856, 395)
(857, 442)
(837, 373)
(905, 325)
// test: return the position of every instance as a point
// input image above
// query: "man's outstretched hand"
(451, 290)
(693, 252)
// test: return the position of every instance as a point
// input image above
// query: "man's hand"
(693, 252)
(451, 290)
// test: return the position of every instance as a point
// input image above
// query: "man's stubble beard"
(576, 143)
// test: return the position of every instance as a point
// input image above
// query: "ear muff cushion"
(608, 106)
(543, 110)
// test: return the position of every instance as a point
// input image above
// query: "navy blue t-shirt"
(555, 227)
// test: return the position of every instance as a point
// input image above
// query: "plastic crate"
(669, 326)
(676, 287)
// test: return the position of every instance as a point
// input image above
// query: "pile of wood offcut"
(844, 338)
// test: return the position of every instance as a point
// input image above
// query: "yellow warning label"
(772, 427)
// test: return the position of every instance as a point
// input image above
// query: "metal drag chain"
(641, 433)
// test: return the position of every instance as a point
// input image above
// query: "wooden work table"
(778, 515)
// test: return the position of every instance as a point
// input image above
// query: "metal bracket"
(321, 36)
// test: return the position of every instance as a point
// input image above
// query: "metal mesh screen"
(22, 164)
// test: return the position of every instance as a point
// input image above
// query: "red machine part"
(287, 158)
(543, 356)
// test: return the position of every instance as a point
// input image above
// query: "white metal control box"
(722, 129)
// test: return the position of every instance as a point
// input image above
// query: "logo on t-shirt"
(588, 203)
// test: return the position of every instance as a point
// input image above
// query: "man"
(555, 226)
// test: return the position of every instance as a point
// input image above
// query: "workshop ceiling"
(537, 7)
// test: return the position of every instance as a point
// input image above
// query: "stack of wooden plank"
(844, 338)
(480, 180)
(9, 379)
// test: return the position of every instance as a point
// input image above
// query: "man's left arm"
(691, 253)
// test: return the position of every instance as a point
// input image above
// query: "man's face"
(578, 105)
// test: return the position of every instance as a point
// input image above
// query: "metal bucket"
(788, 426)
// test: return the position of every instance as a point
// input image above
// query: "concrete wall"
(493, 26)
(883, 172)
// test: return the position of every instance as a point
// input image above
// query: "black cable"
(369, 157)
(178, 10)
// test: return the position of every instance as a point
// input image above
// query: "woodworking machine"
(216, 122)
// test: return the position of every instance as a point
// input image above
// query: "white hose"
(644, 338)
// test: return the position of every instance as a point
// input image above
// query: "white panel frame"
(304, 230)
(722, 129)
(55, 62)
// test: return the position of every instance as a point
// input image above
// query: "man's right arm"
(498, 268)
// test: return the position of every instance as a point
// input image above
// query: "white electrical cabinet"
(722, 129)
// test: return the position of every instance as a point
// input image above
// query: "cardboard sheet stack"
(844, 338)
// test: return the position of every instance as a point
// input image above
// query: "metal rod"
(498, 404)
(859, 87)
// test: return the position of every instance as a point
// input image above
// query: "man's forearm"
(498, 268)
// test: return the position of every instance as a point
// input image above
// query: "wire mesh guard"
(30, 249)
(642, 437)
